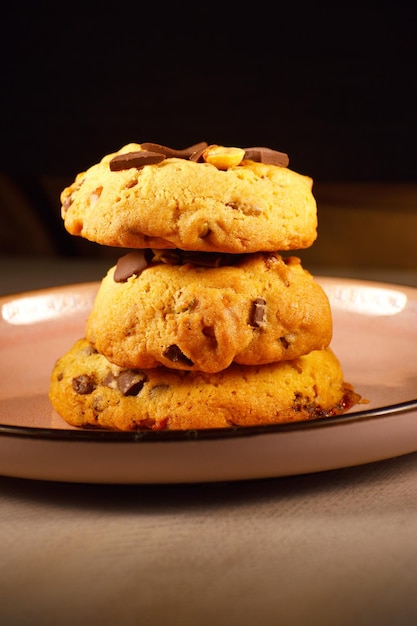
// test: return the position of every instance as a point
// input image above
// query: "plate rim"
(163, 436)
(148, 436)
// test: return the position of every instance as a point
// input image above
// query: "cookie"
(88, 391)
(215, 200)
(185, 314)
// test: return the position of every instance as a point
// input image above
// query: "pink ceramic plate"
(375, 338)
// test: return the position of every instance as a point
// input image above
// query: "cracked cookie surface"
(180, 203)
(256, 309)
(90, 392)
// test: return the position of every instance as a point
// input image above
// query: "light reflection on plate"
(42, 307)
(375, 338)
(376, 301)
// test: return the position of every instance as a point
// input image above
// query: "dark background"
(334, 86)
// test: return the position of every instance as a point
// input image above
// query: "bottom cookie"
(90, 392)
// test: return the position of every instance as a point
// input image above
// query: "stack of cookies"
(202, 323)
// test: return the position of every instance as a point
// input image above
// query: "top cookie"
(203, 198)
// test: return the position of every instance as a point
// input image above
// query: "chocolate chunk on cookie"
(308, 387)
(202, 198)
(182, 311)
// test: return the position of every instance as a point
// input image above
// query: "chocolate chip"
(169, 257)
(110, 380)
(202, 259)
(196, 150)
(185, 153)
(137, 159)
(129, 265)
(130, 382)
(266, 155)
(210, 259)
(197, 156)
(258, 313)
(174, 354)
(83, 384)
(153, 153)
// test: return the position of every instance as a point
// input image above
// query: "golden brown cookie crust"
(90, 392)
(262, 309)
(179, 203)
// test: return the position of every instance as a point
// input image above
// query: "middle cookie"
(203, 311)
